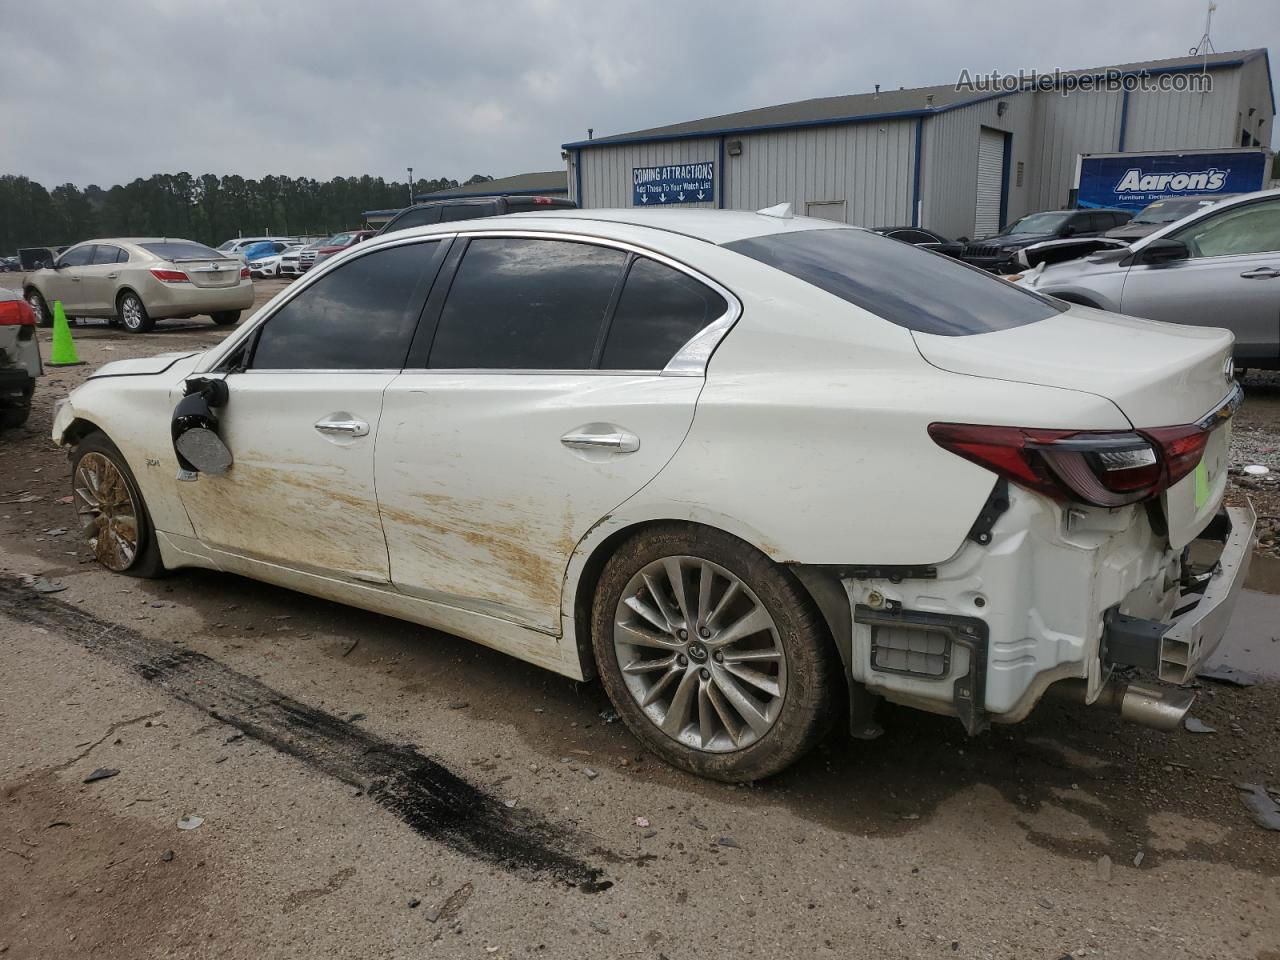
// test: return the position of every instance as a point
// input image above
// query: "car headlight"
(257, 264)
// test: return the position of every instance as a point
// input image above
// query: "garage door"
(986, 219)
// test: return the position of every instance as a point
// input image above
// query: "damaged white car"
(735, 464)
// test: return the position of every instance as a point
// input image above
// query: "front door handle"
(621, 441)
(112, 276)
(1262, 273)
(344, 425)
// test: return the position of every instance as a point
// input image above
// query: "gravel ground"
(370, 788)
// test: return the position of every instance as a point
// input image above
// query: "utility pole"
(410, 186)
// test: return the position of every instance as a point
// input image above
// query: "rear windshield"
(517, 204)
(181, 250)
(905, 285)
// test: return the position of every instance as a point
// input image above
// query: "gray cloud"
(102, 93)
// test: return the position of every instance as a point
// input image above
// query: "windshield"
(339, 240)
(904, 284)
(1167, 211)
(181, 250)
(227, 246)
(1041, 222)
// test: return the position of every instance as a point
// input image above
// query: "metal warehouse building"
(959, 161)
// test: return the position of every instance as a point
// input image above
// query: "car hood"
(1132, 231)
(147, 366)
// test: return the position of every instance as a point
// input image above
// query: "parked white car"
(271, 266)
(731, 462)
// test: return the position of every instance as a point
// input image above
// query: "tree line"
(206, 208)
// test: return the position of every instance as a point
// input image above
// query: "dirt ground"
(367, 788)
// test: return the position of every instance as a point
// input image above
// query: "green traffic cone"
(64, 348)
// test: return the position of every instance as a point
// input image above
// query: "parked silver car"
(1218, 267)
(140, 280)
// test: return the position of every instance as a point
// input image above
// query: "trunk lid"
(211, 273)
(1157, 374)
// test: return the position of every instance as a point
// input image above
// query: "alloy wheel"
(36, 303)
(131, 312)
(108, 511)
(700, 654)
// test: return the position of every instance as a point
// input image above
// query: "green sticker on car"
(1202, 484)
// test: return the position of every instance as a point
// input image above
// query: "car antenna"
(782, 211)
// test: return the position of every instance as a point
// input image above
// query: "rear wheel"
(713, 655)
(113, 517)
(226, 318)
(133, 313)
(41, 309)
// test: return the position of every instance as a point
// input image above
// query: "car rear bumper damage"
(1045, 598)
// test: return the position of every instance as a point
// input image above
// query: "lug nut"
(718, 656)
(683, 634)
(705, 632)
(682, 660)
(704, 673)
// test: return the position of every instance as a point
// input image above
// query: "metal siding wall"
(1066, 127)
(1178, 121)
(867, 165)
(606, 171)
(949, 171)
(1255, 92)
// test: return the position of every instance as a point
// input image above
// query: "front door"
(98, 280)
(305, 399)
(1231, 279)
(67, 282)
(540, 407)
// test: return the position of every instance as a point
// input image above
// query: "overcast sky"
(98, 92)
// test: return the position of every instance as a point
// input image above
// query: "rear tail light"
(244, 273)
(170, 276)
(16, 313)
(1102, 468)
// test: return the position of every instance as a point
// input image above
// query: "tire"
(133, 313)
(226, 318)
(791, 653)
(13, 417)
(44, 318)
(90, 454)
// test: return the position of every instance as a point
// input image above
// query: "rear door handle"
(1262, 273)
(112, 276)
(621, 441)
(343, 425)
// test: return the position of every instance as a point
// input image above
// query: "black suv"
(997, 253)
(446, 211)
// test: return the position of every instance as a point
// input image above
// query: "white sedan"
(742, 466)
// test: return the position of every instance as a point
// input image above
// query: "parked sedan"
(927, 239)
(996, 253)
(1219, 266)
(335, 244)
(140, 280)
(743, 467)
(19, 358)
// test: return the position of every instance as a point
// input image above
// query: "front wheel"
(41, 309)
(226, 318)
(714, 656)
(133, 313)
(113, 517)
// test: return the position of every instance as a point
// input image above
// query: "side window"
(122, 255)
(359, 317)
(1250, 229)
(525, 304)
(467, 211)
(415, 218)
(106, 253)
(660, 310)
(78, 256)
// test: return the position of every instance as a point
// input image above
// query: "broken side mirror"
(194, 428)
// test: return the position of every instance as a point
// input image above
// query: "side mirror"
(194, 428)
(1165, 250)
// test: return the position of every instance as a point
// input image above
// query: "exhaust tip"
(1161, 708)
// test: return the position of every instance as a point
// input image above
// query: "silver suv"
(1219, 267)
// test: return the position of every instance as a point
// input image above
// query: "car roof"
(714, 226)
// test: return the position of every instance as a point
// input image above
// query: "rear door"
(98, 280)
(540, 405)
(1231, 279)
(303, 415)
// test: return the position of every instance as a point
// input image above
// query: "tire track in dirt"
(423, 793)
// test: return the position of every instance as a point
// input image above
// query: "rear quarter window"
(910, 287)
